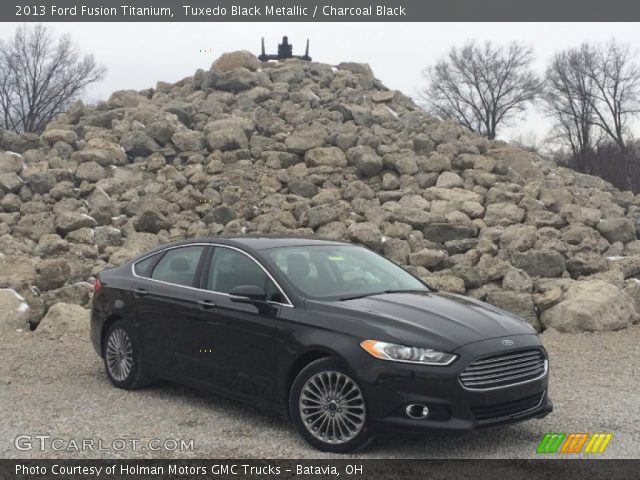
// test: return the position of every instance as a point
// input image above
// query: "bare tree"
(568, 98)
(616, 80)
(40, 77)
(482, 86)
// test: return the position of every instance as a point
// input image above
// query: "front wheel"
(122, 357)
(328, 407)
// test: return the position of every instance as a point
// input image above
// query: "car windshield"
(341, 272)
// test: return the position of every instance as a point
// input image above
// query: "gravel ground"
(59, 388)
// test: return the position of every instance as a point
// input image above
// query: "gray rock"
(617, 229)
(64, 319)
(188, 140)
(332, 231)
(518, 238)
(521, 304)
(14, 311)
(152, 221)
(90, 172)
(585, 263)
(365, 159)
(230, 138)
(52, 273)
(449, 180)
(221, 215)
(54, 135)
(397, 250)
(306, 139)
(427, 258)
(10, 163)
(591, 306)
(503, 214)
(517, 280)
(79, 293)
(235, 80)
(322, 214)
(10, 182)
(239, 59)
(68, 221)
(325, 156)
(367, 234)
(445, 232)
(138, 144)
(540, 263)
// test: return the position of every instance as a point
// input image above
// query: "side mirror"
(252, 295)
(247, 294)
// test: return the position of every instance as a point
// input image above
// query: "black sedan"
(337, 337)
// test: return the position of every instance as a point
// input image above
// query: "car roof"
(246, 242)
(264, 242)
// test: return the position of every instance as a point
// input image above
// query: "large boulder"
(14, 311)
(16, 272)
(53, 273)
(593, 305)
(540, 263)
(306, 139)
(365, 159)
(64, 319)
(521, 304)
(232, 60)
(617, 229)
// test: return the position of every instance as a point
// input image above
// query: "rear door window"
(143, 267)
(178, 266)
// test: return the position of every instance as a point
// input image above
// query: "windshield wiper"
(371, 294)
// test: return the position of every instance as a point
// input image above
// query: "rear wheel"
(122, 357)
(328, 407)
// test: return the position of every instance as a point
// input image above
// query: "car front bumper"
(390, 387)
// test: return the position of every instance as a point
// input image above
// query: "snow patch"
(23, 307)
(88, 216)
(617, 257)
(103, 192)
(16, 294)
(395, 115)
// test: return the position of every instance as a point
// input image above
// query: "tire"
(339, 424)
(122, 357)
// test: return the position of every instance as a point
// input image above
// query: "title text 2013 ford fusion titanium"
(339, 338)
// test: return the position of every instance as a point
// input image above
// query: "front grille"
(508, 409)
(504, 369)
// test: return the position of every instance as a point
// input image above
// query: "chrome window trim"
(280, 289)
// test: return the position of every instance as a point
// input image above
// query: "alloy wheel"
(119, 354)
(332, 407)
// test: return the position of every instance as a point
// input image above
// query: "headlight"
(401, 353)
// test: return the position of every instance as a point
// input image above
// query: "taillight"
(97, 286)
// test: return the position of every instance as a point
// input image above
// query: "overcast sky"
(139, 54)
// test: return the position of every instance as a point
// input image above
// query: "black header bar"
(320, 11)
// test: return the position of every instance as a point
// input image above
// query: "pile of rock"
(306, 148)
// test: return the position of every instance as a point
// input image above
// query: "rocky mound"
(311, 149)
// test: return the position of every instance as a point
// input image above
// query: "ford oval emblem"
(506, 342)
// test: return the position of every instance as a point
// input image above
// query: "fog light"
(417, 411)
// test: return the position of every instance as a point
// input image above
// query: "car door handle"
(139, 292)
(206, 304)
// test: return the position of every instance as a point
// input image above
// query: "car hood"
(435, 319)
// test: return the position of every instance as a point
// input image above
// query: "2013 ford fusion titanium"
(337, 337)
